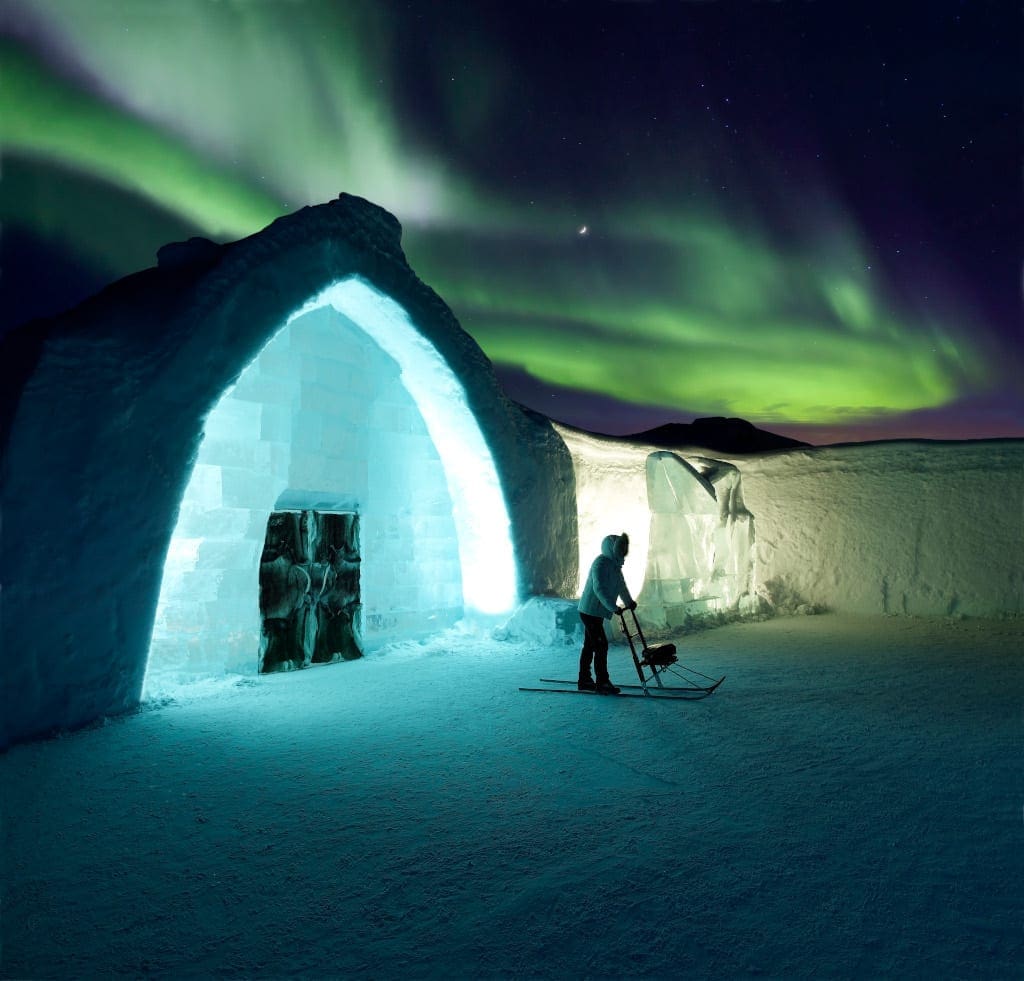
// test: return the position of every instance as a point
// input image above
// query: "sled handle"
(637, 631)
(621, 614)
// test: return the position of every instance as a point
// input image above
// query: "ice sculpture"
(699, 554)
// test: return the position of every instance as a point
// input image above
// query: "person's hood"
(612, 548)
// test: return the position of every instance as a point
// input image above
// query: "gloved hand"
(632, 606)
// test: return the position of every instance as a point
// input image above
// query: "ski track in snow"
(847, 804)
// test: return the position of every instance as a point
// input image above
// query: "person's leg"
(592, 630)
(601, 656)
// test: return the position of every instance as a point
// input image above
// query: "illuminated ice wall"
(344, 410)
(908, 528)
(700, 557)
(691, 538)
(611, 498)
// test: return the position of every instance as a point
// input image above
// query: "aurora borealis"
(644, 212)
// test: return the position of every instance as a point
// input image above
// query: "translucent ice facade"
(700, 556)
(684, 522)
(347, 408)
(691, 537)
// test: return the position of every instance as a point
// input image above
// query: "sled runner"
(658, 660)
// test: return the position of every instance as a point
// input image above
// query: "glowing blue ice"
(347, 408)
(481, 518)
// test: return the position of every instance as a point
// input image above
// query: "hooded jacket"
(605, 583)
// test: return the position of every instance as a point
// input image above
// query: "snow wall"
(918, 527)
(105, 448)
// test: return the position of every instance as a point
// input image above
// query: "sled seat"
(655, 658)
(658, 657)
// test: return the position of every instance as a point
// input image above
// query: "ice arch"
(481, 518)
(102, 415)
(348, 408)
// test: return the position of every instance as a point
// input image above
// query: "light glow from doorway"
(481, 517)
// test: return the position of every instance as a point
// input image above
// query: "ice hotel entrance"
(305, 369)
(343, 496)
(310, 607)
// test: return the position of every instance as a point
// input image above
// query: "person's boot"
(586, 683)
(605, 687)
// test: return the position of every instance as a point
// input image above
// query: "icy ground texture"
(847, 805)
(928, 529)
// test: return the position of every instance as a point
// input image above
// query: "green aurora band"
(86, 134)
(662, 306)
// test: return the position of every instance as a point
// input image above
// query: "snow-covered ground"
(848, 804)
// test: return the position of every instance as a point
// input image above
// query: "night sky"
(807, 215)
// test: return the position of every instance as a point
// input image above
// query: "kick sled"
(660, 660)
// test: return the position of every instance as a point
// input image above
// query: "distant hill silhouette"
(715, 433)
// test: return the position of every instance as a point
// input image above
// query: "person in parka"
(599, 601)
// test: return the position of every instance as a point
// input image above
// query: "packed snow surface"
(848, 804)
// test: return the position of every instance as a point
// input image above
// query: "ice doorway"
(348, 409)
(309, 590)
